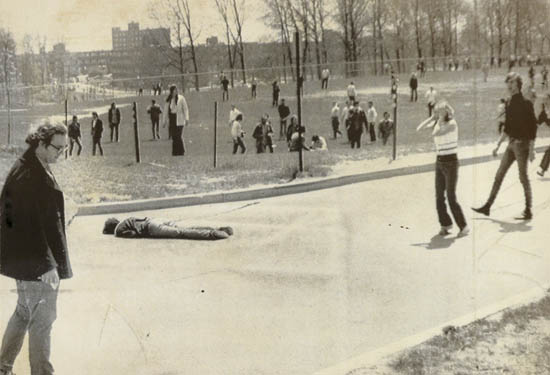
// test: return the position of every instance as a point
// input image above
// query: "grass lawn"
(116, 176)
(516, 341)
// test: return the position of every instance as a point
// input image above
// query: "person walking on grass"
(114, 121)
(275, 93)
(544, 119)
(385, 128)
(485, 70)
(544, 74)
(253, 88)
(520, 126)
(352, 92)
(431, 96)
(145, 227)
(284, 114)
(413, 84)
(225, 88)
(445, 135)
(33, 247)
(233, 114)
(237, 134)
(154, 112)
(324, 79)
(531, 73)
(260, 135)
(357, 120)
(75, 136)
(501, 115)
(371, 121)
(335, 119)
(176, 115)
(97, 133)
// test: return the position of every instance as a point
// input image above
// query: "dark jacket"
(358, 119)
(413, 83)
(520, 122)
(74, 130)
(98, 129)
(154, 111)
(32, 223)
(284, 111)
(114, 118)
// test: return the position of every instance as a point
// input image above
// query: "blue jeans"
(446, 178)
(35, 312)
(516, 150)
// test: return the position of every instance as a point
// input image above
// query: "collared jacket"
(97, 129)
(520, 122)
(32, 223)
(180, 109)
(114, 116)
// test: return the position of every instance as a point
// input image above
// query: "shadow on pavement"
(508, 227)
(437, 242)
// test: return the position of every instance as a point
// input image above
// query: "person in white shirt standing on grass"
(431, 95)
(238, 134)
(445, 135)
(352, 93)
(335, 119)
(176, 115)
(371, 121)
(324, 79)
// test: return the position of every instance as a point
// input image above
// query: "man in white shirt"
(351, 92)
(324, 79)
(233, 114)
(237, 133)
(431, 96)
(371, 121)
(335, 119)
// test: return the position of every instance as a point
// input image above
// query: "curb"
(372, 358)
(267, 192)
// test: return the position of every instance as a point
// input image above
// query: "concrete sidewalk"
(307, 282)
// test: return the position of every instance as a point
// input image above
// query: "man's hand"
(51, 277)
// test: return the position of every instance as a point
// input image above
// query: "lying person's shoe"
(219, 235)
(227, 230)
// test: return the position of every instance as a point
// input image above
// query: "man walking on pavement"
(33, 247)
(154, 112)
(114, 121)
(520, 126)
(284, 113)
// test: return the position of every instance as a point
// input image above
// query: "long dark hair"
(171, 95)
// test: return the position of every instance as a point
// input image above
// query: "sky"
(85, 25)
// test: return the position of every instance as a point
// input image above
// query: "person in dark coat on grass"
(75, 136)
(97, 132)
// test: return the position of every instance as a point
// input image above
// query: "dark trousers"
(372, 131)
(282, 129)
(275, 101)
(260, 146)
(517, 150)
(385, 137)
(446, 177)
(72, 141)
(155, 128)
(545, 162)
(430, 108)
(35, 313)
(351, 98)
(178, 147)
(253, 93)
(414, 95)
(336, 126)
(114, 131)
(225, 95)
(324, 83)
(238, 143)
(355, 139)
(96, 142)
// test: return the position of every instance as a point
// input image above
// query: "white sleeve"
(184, 107)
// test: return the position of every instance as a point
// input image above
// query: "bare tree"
(352, 18)
(7, 58)
(278, 18)
(176, 15)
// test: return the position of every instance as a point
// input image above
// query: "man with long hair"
(176, 115)
(33, 247)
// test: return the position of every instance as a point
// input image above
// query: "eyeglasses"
(59, 149)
